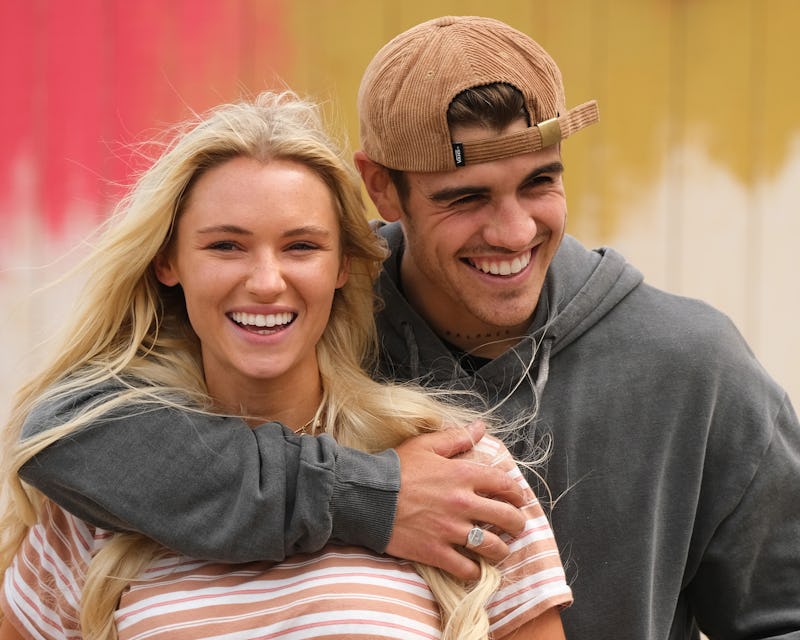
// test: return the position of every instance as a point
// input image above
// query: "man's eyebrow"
(453, 193)
(553, 167)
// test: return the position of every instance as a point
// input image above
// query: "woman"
(237, 280)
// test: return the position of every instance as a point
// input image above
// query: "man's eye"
(540, 180)
(466, 200)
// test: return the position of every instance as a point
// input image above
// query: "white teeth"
(261, 320)
(503, 267)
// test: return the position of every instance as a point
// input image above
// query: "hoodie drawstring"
(413, 350)
(544, 367)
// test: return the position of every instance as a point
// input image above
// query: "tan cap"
(410, 83)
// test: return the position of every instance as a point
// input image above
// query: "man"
(674, 457)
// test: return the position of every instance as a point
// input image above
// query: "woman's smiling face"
(257, 252)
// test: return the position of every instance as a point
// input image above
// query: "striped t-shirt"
(338, 592)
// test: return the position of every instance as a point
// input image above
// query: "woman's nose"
(265, 279)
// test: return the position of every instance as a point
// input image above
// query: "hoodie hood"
(581, 287)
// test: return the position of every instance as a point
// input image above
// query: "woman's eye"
(222, 245)
(302, 246)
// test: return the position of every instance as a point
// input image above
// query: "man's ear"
(165, 270)
(379, 186)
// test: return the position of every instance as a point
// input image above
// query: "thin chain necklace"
(311, 426)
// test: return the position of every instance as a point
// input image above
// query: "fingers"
(502, 515)
(447, 558)
(497, 484)
(451, 557)
(463, 566)
(455, 440)
(491, 547)
(442, 498)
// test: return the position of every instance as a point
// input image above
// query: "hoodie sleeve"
(748, 583)
(212, 487)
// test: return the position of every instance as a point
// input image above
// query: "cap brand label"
(458, 154)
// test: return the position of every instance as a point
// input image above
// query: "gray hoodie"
(674, 467)
(675, 461)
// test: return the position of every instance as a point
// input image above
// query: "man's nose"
(511, 226)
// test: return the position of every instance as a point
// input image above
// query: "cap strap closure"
(549, 131)
(539, 136)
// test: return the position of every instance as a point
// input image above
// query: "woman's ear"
(165, 270)
(344, 272)
(379, 186)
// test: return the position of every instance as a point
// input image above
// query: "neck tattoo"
(476, 336)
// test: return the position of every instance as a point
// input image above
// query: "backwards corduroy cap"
(408, 87)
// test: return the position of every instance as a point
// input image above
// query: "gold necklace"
(313, 423)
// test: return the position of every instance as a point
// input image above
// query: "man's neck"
(471, 337)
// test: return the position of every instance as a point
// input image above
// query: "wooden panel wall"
(693, 172)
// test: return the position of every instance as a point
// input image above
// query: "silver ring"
(474, 537)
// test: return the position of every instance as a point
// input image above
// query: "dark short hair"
(494, 106)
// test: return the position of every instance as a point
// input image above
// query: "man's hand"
(442, 498)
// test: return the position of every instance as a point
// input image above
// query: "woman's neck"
(291, 402)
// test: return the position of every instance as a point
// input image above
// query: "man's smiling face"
(479, 241)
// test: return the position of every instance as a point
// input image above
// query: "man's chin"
(505, 325)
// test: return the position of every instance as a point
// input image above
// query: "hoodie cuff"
(364, 500)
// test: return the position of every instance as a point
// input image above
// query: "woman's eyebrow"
(224, 228)
(308, 230)
(235, 229)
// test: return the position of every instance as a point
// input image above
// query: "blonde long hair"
(130, 328)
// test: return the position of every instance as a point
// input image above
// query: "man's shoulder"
(680, 315)
(620, 307)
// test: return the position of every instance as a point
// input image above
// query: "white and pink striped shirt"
(336, 593)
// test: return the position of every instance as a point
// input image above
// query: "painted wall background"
(693, 172)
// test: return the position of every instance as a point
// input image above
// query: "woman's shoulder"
(67, 534)
(490, 451)
(45, 580)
